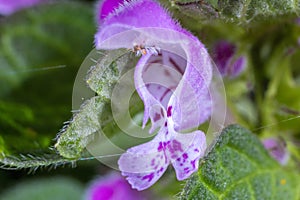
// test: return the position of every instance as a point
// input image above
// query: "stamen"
(143, 50)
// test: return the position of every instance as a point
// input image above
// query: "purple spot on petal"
(178, 159)
(193, 162)
(196, 150)
(160, 146)
(166, 124)
(169, 111)
(149, 177)
(166, 143)
(185, 156)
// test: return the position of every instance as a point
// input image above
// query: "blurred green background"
(41, 51)
(42, 48)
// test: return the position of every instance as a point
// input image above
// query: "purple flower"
(277, 149)
(172, 77)
(112, 187)
(8, 7)
(224, 57)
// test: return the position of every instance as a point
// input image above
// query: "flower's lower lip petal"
(142, 181)
(186, 152)
(144, 164)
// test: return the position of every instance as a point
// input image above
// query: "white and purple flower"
(225, 58)
(112, 187)
(172, 77)
(8, 7)
(277, 149)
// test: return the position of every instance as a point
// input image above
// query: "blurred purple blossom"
(8, 7)
(112, 187)
(172, 78)
(224, 57)
(277, 149)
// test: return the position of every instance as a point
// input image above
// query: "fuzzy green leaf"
(95, 113)
(236, 10)
(79, 133)
(110, 67)
(238, 167)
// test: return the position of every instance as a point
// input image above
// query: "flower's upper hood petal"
(190, 105)
(145, 23)
(134, 15)
(107, 7)
(178, 79)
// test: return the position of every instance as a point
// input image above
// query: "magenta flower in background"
(8, 7)
(277, 149)
(172, 77)
(224, 57)
(112, 187)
